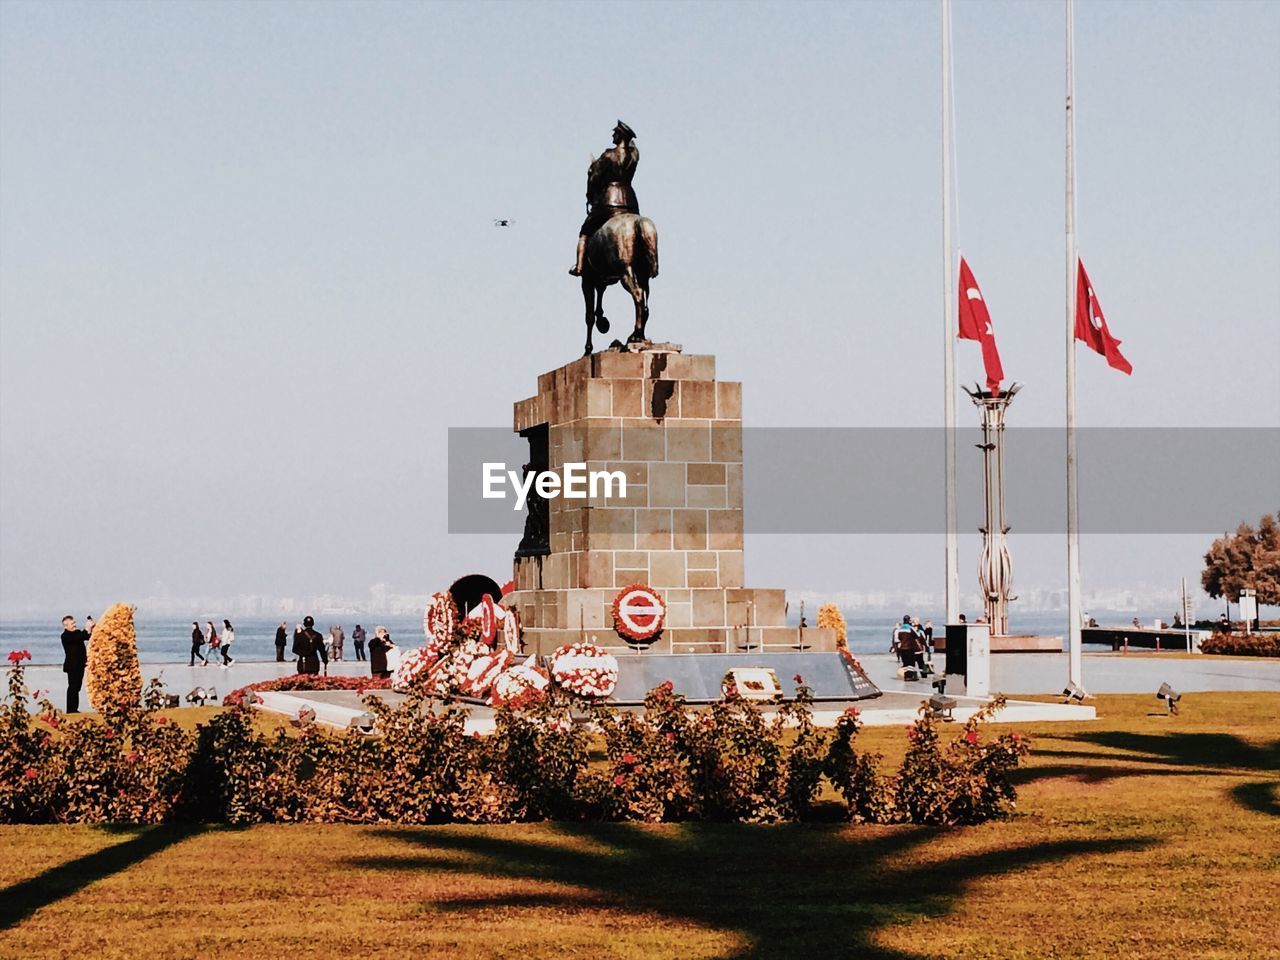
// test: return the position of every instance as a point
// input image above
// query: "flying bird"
(503, 223)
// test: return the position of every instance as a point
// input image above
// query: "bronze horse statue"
(624, 250)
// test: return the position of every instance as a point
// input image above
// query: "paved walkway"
(180, 679)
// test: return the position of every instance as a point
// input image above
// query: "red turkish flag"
(1091, 325)
(975, 324)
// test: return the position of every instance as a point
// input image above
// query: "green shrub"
(730, 761)
(1243, 645)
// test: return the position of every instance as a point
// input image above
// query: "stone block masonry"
(661, 418)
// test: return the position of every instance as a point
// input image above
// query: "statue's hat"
(625, 130)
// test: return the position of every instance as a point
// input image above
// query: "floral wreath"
(483, 671)
(440, 618)
(520, 686)
(585, 670)
(488, 615)
(414, 664)
(622, 620)
(511, 631)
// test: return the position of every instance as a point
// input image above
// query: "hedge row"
(1243, 645)
(730, 761)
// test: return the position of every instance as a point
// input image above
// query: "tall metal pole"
(948, 331)
(1075, 665)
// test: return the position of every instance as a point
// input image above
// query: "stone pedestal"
(663, 420)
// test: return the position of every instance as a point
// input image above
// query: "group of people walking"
(913, 643)
(218, 643)
(313, 652)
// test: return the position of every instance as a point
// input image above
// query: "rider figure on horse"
(609, 191)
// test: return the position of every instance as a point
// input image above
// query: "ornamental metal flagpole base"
(995, 568)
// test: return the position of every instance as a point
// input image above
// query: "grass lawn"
(1138, 835)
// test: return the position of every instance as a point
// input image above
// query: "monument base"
(662, 420)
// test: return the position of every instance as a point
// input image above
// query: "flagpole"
(948, 333)
(1075, 671)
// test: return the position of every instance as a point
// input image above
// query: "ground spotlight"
(940, 703)
(361, 724)
(1170, 696)
(1073, 691)
(198, 696)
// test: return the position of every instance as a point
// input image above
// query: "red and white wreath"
(440, 618)
(488, 614)
(414, 664)
(520, 686)
(511, 631)
(639, 612)
(483, 671)
(585, 670)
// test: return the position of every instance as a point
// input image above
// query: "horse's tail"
(649, 236)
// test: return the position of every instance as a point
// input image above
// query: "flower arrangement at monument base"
(483, 671)
(414, 666)
(112, 676)
(306, 681)
(584, 670)
(521, 686)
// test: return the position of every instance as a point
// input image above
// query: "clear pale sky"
(249, 274)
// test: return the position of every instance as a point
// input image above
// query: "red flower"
(17, 656)
(629, 759)
(30, 773)
(972, 736)
(109, 733)
(133, 756)
(797, 679)
(619, 780)
(162, 719)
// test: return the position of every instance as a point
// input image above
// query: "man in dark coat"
(609, 190)
(309, 647)
(357, 638)
(282, 637)
(75, 654)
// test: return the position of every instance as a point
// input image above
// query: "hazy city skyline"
(249, 275)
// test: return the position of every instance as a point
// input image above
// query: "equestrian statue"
(615, 244)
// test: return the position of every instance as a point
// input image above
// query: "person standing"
(378, 648)
(228, 638)
(335, 642)
(357, 638)
(928, 640)
(211, 638)
(75, 654)
(282, 638)
(309, 645)
(197, 641)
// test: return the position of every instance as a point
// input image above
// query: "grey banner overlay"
(890, 480)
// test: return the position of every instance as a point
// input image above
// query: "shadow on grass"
(788, 891)
(1192, 754)
(21, 900)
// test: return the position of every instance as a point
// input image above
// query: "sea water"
(168, 640)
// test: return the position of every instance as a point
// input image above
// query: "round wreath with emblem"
(639, 612)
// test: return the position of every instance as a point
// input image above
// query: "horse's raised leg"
(637, 294)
